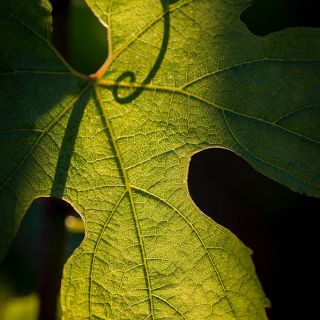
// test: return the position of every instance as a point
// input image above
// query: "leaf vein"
(44, 132)
(178, 90)
(143, 191)
(170, 305)
(262, 160)
(97, 244)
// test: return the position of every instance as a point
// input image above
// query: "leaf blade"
(120, 154)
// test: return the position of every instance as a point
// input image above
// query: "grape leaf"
(181, 76)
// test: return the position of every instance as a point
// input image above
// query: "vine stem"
(52, 255)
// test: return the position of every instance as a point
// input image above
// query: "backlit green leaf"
(181, 76)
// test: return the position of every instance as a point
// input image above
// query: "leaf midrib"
(132, 203)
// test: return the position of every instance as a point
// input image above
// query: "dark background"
(280, 226)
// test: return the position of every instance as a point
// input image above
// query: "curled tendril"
(130, 76)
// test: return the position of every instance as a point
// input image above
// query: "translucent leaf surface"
(181, 76)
